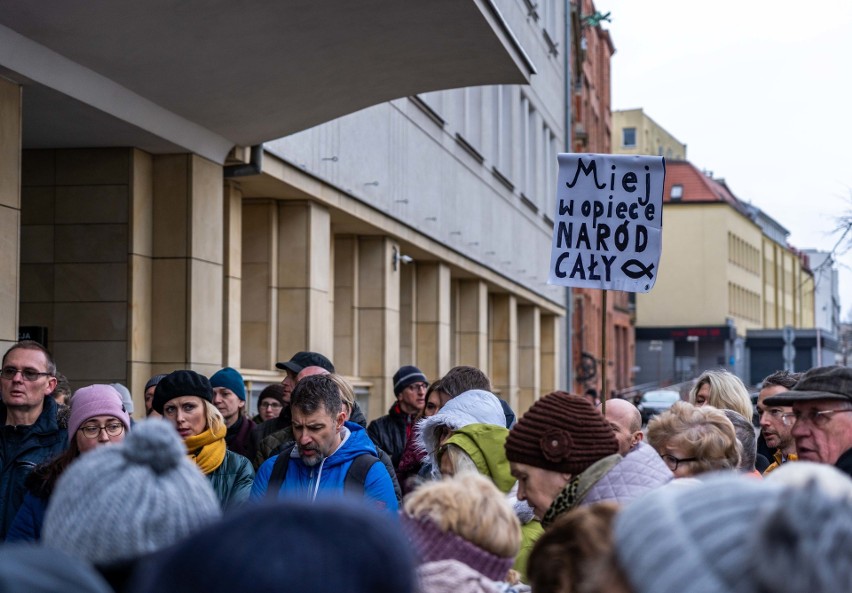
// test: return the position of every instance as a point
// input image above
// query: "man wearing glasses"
(775, 421)
(31, 433)
(822, 415)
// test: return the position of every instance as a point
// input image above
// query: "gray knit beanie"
(737, 535)
(120, 502)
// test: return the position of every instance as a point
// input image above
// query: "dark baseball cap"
(301, 360)
(831, 382)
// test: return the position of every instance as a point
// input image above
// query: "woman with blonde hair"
(463, 533)
(694, 440)
(721, 389)
(185, 399)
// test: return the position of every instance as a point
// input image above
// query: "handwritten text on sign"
(609, 221)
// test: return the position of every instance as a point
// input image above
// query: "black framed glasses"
(673, 461)
(814, 417)
(91, 431)
(271, 405)
(9, 373)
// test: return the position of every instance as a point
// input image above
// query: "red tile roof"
(697, 186)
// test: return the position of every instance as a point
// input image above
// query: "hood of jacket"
(471, 407)
(485, 445)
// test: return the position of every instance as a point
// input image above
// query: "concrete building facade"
(142, 235)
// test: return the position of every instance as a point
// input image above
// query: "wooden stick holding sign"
(608, 226)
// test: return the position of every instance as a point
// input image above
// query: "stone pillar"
(433, 319)
(10, 211)
(529, 356)
(378, 320)
(346, 293)
(140, 273)
(74, 257)
(305, 273)
(232, 231)
(550, 354)
(472, 325)
(259, 285)
(408, 295)
(504, 347)
(188, 267)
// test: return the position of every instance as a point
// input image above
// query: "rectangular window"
(628, 137)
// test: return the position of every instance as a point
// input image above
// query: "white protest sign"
(609, 221)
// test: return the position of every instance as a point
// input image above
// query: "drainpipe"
(252, 167)
(569, 297)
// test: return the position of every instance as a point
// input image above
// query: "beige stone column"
(346, 294)
(472, 324)
(550, 353)
(10, 210)
(408, 313)
(188, 267)
(305, 272)
(140, 273)
(259, 285)
(529, 356)
(378, 320)
(75, 245)
(432, 319)
(232, 231)
(503, 342)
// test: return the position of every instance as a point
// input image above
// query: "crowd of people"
(448, 491)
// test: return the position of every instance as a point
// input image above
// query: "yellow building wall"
(701, 282)
(650, 136)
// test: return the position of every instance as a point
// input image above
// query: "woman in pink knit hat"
(97, 418)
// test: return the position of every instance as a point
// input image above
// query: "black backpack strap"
(279, 472)
(356, 475)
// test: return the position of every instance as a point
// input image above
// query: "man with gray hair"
(822, 415)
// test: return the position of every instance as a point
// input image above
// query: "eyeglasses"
(818, 418)
(418, 386)
(28, 374)
(91, 431)
(784, 417)
(270, 405)
(673, 461)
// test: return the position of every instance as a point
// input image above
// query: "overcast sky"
(760, 92)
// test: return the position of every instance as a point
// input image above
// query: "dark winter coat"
(232, 480)
(390, 432)
(844, 462)
(239, 438)
(21, 449)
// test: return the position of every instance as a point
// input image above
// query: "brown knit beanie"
(561, 433)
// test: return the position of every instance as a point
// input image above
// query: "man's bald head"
(308, 371)
(626, 422)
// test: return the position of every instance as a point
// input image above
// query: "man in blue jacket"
(30, 432)
(331, 457)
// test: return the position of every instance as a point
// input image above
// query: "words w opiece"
(608, 223)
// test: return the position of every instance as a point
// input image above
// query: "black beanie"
(180, 383)
(405, 376)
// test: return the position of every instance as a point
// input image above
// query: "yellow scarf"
(207, 449)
